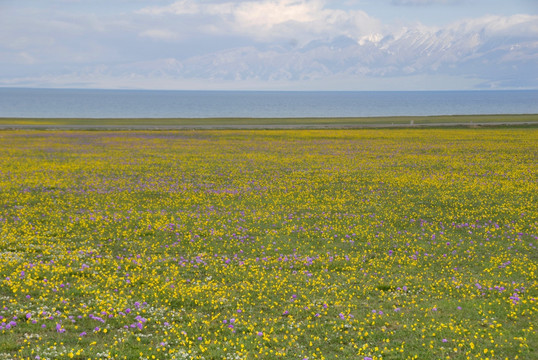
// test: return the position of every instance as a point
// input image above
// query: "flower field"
(281, 244)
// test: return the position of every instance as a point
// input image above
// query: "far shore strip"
(530, 120)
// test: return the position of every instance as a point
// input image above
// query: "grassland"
(276, 244)
(223, 123)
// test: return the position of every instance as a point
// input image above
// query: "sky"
(270, 44)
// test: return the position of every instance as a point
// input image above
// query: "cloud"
(177, 8)
(492, 50)
(267, 20)
(267, 14)
(487, 48)
(159, 34)
(425, 2)
(284, 42)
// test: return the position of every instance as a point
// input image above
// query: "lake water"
(70, 103)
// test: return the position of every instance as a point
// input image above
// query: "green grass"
(321, 244)
(231, 122)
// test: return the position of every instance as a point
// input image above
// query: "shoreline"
(465, 121)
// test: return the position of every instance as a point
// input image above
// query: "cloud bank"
(267, 20)
(303, 44)
(425, 2)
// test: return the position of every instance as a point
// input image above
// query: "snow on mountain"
(466, 49)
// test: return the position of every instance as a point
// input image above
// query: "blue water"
(70, 103)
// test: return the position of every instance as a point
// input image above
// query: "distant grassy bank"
(170, 123)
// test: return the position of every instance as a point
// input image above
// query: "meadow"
(269, 244)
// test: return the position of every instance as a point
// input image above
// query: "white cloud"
(178, 8)
(425, 2)
(474, 48)
(267, 14)
(275, 41)
(266, 20)
(27, 58)
(159, 34)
